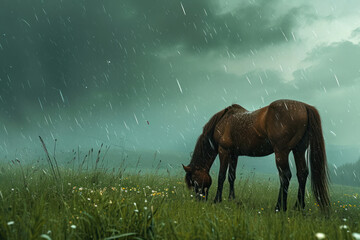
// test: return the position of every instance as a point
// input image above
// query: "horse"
(281, 127)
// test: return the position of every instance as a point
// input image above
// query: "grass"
(34, 204)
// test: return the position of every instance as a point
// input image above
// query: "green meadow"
(43, 203)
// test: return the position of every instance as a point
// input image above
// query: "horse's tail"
(318, 163)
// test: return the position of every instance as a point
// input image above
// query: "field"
(38, 203)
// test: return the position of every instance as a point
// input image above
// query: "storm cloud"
(151, 73)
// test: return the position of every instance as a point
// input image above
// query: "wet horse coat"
(281, 127)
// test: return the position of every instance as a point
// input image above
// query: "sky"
(147, 75)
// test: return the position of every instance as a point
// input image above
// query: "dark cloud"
(74, 67)
(202, 26)
(76, 53)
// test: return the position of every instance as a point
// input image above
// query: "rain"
(144, 77)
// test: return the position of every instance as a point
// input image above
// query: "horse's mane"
(205, 147)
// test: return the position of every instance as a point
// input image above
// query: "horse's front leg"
(224, 163)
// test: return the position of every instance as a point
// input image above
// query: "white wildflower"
(356, 236)
(320, 235)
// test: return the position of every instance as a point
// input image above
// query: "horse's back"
(280, 125)
(286, 123)
(240, 131)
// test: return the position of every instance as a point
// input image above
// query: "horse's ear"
(186, 168)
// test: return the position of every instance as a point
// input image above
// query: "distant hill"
(170, 161)
(340, 155)
(347, 174)
(337, 156)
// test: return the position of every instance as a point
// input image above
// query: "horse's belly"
(257, 148)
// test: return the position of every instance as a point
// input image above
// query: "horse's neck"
(204, 153)
(210, 162)
(204, 162)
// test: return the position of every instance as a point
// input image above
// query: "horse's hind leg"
(282, 164)
(302, 174)
(232, 176)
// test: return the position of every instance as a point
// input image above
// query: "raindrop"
(136, 119)
(337, 80)
(187, 109)
(41, 104)
(182, 7)
(179, 85)
(126, 126)
(225, 68)
(23, 20)
(205, 12)
(61, 95)
(286, 39)
(247, 78)
(6, 130)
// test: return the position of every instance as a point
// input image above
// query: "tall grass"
(35, 205)
(78, 202)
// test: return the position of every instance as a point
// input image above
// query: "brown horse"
(279, 128)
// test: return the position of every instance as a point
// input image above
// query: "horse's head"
(199, 180)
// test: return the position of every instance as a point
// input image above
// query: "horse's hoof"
(279, 209)
(231, 197)
(297, 207)
(217, 200)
